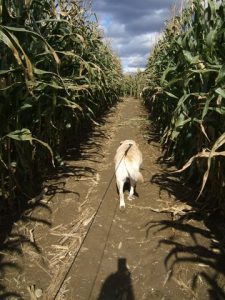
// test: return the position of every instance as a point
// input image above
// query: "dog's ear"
(121, 142)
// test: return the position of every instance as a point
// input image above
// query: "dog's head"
(128, 142)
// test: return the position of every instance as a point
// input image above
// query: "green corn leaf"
(5, 39)
(25, 135)
(220, 92)
(20, 29)
(191, 59)
(165, 73)
(67, 103)
(221, 75)
(170, 95)
(5, 72)
(20, 135)
(28, 62)
(211, 38)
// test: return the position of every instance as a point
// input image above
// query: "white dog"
(128, 159)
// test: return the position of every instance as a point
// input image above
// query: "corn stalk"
(185, 92)
(56, 77)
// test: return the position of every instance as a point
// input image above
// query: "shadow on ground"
(12, 242)
(12, 238)
(203, 237)
(118, 285)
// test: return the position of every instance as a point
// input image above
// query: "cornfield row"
(56, 77)
(185, 92)
(133, 84)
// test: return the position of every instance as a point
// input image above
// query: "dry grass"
(62, 255)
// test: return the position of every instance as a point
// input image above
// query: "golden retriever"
(128, 159)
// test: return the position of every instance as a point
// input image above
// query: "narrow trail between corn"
(80, 246)
(124, 255)
(119, 260)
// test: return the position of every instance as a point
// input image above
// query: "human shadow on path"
(118, 285)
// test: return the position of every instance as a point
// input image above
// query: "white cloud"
(133, 27)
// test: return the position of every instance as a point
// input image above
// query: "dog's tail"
(139, 177)
(136, 175)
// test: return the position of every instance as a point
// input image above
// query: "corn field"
(56, 77)
(185, 92)
(133, 84)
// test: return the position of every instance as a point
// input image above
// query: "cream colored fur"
(128, 159)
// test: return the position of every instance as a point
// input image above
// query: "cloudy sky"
(133, 26)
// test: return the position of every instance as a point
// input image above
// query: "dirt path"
(118, 240)
(137, 254)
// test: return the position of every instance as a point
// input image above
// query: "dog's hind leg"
(132, 187)
(120, 184)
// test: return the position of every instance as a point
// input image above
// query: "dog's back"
(128, 160)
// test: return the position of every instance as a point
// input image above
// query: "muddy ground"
(75, 243)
